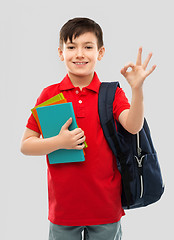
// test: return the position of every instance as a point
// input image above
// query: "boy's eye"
(70, 47)
(73, 47)
(89, 47)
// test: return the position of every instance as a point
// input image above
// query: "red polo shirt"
(89, 192)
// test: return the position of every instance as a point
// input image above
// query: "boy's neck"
(81, 81)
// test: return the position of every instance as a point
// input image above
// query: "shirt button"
(77, 92)
(80, 101)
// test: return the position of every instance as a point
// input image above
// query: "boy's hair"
(78, 26)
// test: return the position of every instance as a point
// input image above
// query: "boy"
(86, 195)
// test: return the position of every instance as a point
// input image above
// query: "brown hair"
(78, 26)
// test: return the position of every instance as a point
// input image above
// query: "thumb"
(67, 124)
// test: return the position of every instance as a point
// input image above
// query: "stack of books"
(50, 116)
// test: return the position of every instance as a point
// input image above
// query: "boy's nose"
(80, 53)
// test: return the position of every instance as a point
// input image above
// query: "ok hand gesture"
(138, 74)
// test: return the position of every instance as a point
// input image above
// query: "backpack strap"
(105, 109)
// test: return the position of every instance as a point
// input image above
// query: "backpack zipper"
(139, 161)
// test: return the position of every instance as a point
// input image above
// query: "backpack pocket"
(151, 181)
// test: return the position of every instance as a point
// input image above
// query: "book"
(51, 119)
(58, 99)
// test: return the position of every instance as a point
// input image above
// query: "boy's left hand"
(138, 74)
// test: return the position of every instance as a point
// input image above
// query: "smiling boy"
(80, 58)
(86, 195)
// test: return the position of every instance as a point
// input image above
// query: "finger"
(129, 65)
(81, 140)
(123, 72)
(79, 136)
(77, 131)
(67, 124)
(79, 147)
(138, 62)
(151, 70)
(147, 61)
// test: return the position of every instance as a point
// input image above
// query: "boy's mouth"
(80, 63)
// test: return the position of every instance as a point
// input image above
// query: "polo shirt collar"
(66, 84)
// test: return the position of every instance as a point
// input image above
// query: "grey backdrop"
(29, 62)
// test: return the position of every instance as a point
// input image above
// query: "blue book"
(51, 119)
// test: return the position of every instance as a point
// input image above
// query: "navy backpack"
(136, 157)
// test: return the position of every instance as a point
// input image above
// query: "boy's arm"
(132, 119)
(32, 144)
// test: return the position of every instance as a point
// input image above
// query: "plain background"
(29, 62)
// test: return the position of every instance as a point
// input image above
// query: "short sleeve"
(31, 123)
(120, 103)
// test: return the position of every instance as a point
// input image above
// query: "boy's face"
(81, 55)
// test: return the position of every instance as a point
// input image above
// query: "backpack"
(136, 157)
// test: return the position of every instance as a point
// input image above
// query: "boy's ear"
(101, 53)
(60, 54)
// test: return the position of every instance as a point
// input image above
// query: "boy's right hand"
(71, 139)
